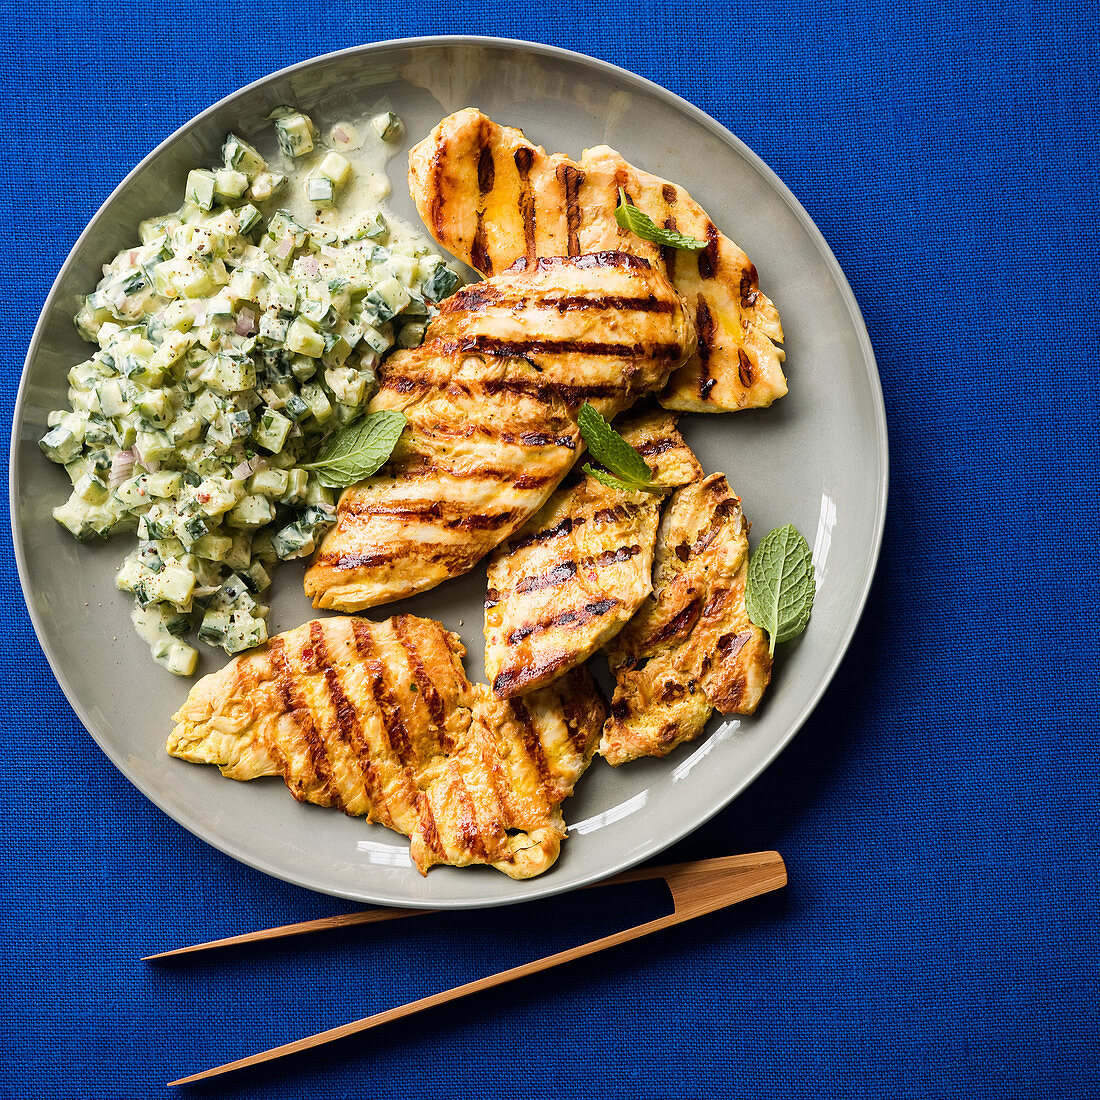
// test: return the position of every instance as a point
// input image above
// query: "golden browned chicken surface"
(575, 574)
(605, 327)
(489, 196)
(691, 648)
(491, 398)
(486, 443)
(380, 721)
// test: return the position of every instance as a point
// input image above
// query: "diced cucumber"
(320, 191)
(318, 403)
(178, 657)
(164, 483)
(248, 218)
(295, 407)
(269, 483)
(297, 486)
(173, 584)
(229, 184)
(216, 495)
(230, 373)
(293, 542)
(238, 154)
(334, 167)
(185, 428)
(304, 339)
(378, 229)
(60, 445)
(252, 511)
(155, 446)
(200, 188)
(440, 284)
(295, 133)
(387, 126)
(212, 547)
(272, 429)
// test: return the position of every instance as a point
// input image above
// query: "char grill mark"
(449, 513)
(523, 158)
(567, 570)
(561, 573)
(705, 328)
(425, 687)
(565, 618)
(347, 724)
(397, 736)
(507, 682)
(472, 300)
(750, 286)
(566, 527)
(608, 257)
(303, 723)
(574, 723)
(708, 257)
(493, 345)
(429, 470)
(479, 252)
(545, 393)
(571, 178)
(744, 368)
(531, 741)
(469, 829)
(653, 447)
(678, 625)
(428, 828)
(614, 557)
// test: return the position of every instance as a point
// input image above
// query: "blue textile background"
(938, 812)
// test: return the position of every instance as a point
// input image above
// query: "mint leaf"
(780, 591)
(359, 450)
(642, 225)
(610, 449)
(613, 482)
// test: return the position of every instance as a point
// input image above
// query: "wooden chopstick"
(373, 916)
(697, 888)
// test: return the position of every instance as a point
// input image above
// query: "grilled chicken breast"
(491, 398)
(691, 648)
(488, 195)
(572, 578)
(380, 721)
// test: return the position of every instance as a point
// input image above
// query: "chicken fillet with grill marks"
(569, 581)
(489, 196)
(691, 648)
(380, 721)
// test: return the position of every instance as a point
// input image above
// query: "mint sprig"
(642, 225)
(626, 470)
(779, 595)
(359, 450)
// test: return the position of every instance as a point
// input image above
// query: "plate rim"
(869, 361)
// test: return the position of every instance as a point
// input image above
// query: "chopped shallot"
(122, 466)
(250, 466)
(246, 322)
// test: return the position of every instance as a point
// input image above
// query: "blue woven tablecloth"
(938, 812)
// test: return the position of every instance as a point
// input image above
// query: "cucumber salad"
(241, 332)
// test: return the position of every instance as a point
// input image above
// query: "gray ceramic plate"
(818, 458)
